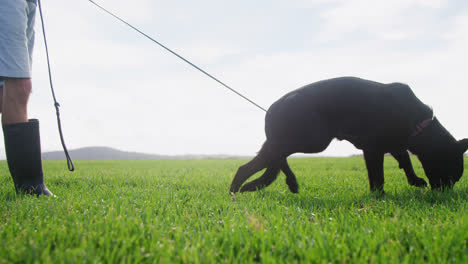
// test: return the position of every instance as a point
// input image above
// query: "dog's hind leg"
(290, 177)
(270, 176)
(245, 171)
(263, 181)
(405, 163)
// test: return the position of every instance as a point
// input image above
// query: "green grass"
(181, 212)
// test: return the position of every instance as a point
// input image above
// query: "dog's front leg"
(405, 163)
(374, 164)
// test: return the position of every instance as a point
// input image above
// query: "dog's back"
(360, 111)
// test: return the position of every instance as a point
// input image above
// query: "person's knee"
(17, 91)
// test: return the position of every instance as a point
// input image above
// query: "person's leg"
(15, 99)
(16, 45)
(22, 137)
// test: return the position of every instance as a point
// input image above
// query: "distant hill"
(106, 153)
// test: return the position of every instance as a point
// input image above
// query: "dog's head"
(441, 155)
(445, 167)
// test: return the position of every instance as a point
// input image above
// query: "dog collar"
(419, 127)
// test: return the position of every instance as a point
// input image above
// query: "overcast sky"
(118, 89)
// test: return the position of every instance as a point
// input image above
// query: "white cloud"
(390, 20)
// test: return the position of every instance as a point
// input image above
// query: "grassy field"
(181, 212)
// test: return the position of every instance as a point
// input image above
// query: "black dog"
(377, 118)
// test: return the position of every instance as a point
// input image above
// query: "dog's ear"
(463, 145)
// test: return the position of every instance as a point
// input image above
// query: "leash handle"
(71, 166)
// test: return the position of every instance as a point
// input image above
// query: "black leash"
(179, 56)
(71, 166)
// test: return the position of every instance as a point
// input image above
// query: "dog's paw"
(293, 187)
(418, 182)
(292, 184)
(249, 187)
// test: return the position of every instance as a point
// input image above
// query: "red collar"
(419, 127)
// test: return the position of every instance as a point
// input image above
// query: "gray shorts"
(16, 37)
